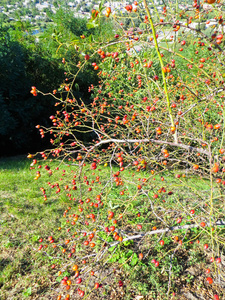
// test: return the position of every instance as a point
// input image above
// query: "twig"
(218, 223)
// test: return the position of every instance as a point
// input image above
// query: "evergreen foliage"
(28, 59)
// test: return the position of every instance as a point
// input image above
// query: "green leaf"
(76, 86)
(122, 260)
(129, 253)
(101, 5)
(59, 279)
(35, 238)
(90, 25)
(27, 292)
(127, 243)
(90, 38)
(134, 260)
(111, 249)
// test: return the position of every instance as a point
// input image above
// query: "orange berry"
(75, 268)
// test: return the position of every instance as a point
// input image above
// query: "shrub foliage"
(146, 155)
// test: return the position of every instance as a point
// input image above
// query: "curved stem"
(161, 64)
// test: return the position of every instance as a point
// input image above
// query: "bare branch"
(138, 236)
(119, 141)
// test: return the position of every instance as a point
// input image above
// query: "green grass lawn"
(24, 218)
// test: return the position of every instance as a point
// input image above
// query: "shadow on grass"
(4, 262)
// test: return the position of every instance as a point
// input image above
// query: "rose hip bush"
(142, 161)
